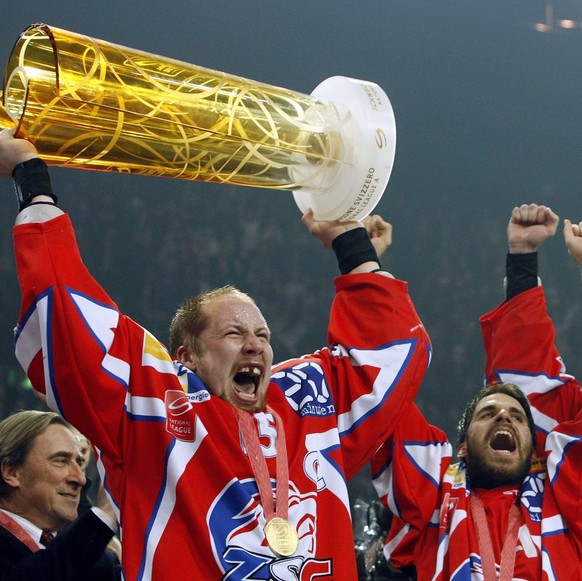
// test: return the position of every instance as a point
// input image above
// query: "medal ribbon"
(250, 437)
(13, 527)
(486, 546)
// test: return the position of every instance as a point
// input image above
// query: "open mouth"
(247, 380)
(503, 442)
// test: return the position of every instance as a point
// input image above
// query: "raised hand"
(13, 151)
(327, 230)
(380, 233)
(573, 239)
(529, 227)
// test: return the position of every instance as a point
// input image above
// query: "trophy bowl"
(90, 104)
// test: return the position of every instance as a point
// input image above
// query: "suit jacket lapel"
(9, 524)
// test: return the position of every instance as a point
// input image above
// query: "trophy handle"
(89, 104)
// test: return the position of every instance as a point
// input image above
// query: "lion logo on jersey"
(236, 522)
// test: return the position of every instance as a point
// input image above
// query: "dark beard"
(480, 475)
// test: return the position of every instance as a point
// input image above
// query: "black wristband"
(31, 178)
(521, 271)
(353, 248)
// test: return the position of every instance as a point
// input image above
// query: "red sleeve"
(379, 355)
(407, 472)
(563, 493)
(366, 380)
(519, 339)
(71, 340)
(408, 469)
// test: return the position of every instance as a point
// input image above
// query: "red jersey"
(434, 527)
(170, 452)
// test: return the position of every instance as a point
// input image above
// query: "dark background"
(488, 116)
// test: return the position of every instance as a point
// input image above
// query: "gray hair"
(17, 434)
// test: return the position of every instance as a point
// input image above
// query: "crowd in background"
(150, 251)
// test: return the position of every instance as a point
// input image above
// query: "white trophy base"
(359, 184)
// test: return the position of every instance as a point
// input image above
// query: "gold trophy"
(90, 104)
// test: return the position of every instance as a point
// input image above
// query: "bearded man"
(510, 508)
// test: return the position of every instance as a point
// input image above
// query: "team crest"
(305, 389)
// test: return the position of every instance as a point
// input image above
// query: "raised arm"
(67, 322)
(378, 348)
(530, 225)
(519, 335)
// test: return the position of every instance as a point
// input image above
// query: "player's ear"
(10, 475)
(462, 450)
(187, 357)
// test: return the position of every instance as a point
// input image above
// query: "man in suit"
(41, 477)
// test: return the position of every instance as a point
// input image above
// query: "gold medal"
(281, 536)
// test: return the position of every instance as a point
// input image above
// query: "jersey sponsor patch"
(305, 388)
(180, 415)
